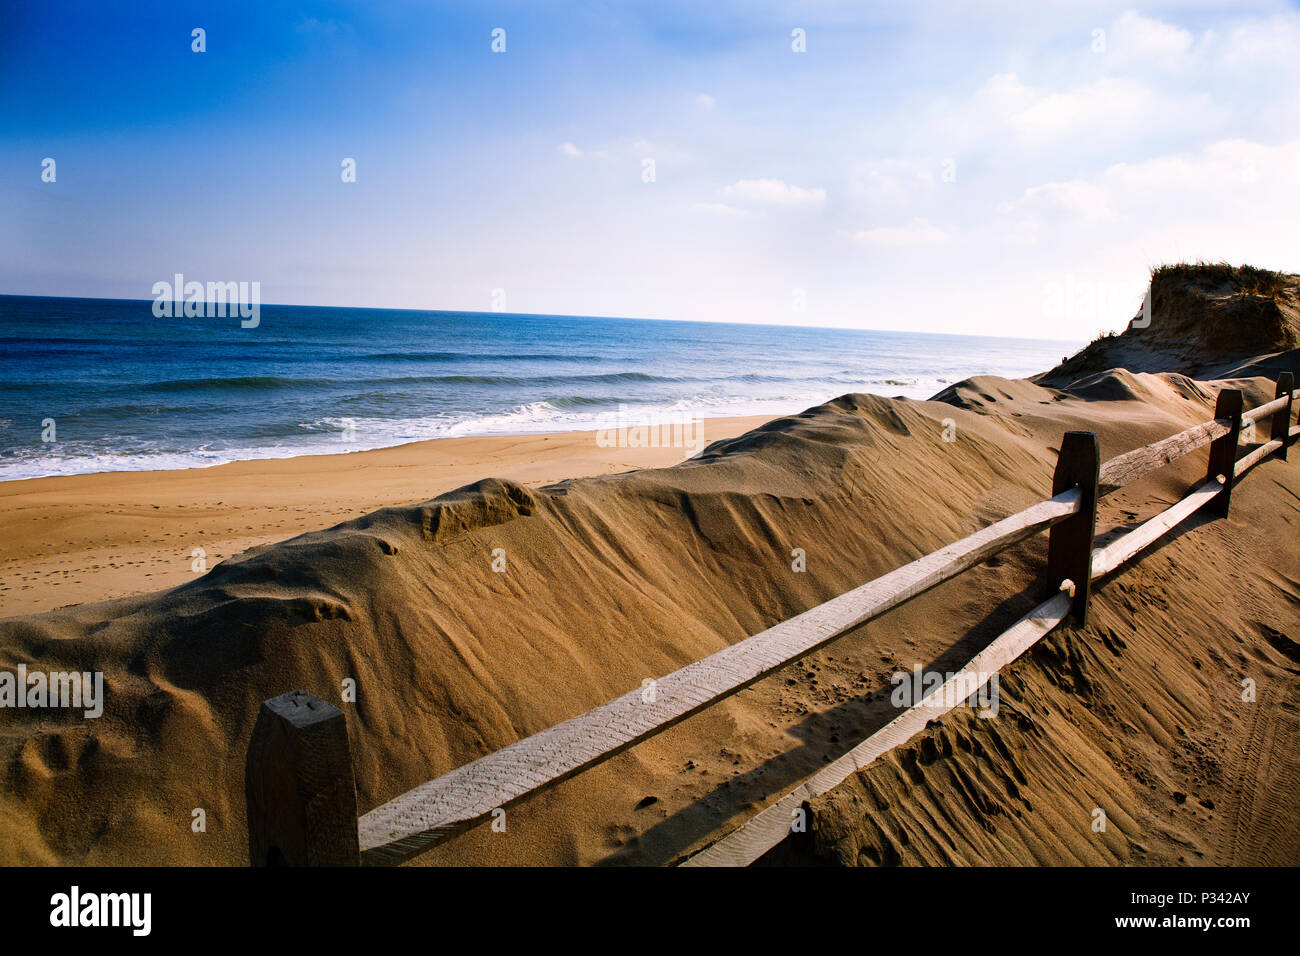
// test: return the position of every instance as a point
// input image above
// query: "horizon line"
(570, 315)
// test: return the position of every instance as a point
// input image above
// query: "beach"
(76, 539)
(618, 578)
(456, 596)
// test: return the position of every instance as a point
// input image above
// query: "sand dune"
(612, 579)
(86, 538)
(1139, 716)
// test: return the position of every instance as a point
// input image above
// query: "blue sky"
(920, 166)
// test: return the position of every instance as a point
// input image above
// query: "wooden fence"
(301, 793)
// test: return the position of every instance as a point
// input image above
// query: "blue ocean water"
(128, 391)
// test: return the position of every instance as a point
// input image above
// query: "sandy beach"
(616, 578)
(82, 538)
(453, 597)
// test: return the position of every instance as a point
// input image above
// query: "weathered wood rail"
(300, 790)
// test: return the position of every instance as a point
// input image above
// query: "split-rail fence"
(300, 789)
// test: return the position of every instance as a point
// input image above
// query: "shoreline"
(307, 384)
(669, 421)
(79, 539)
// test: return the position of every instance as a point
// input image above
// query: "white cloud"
(1261, 46)
(1112, 104)
(1233, 199)
(568, 149)
(774, 192)
(1155, 81)
(1135, 36)
(717, 209)
(919, 232)
(1254, 183)
(894, 182)
(1002, 96)
(704, 101)
(1085, 200)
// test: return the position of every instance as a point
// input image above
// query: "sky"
(1008, 169)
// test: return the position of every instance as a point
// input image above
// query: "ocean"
(90, 385)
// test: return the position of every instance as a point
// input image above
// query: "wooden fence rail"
(299, 784)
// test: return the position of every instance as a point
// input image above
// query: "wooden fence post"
(1223, 451)
(1282, 419)
(1069, 543)
(302, 797)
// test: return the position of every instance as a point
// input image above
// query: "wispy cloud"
(717, 209)
(918, 232)
(774, 192)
